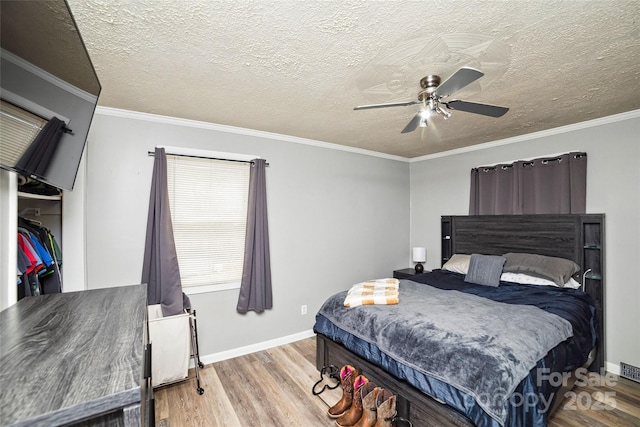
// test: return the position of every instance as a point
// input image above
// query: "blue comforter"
(533, 396)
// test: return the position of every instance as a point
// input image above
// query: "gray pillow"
(558, 270)
(485, 270)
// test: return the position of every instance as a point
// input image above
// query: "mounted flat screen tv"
(45, 72)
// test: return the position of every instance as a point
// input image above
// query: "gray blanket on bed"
(482, 347)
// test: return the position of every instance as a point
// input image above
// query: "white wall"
(8, 245)
(74, 274)
(335, 218)
(440, 186)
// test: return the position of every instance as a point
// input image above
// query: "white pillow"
(525, 279)
(572, 284)
(458, 263)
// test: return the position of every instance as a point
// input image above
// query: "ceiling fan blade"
(458, 80)
(472, 107)
(390, 104)
(412, 125)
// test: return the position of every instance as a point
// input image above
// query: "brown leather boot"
(348, 375)
(368, 393)
(386, 408)
(355, 412)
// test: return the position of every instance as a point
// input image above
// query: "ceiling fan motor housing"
(430, 83)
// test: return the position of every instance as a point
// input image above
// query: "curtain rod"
(543, 160)
(152, 154)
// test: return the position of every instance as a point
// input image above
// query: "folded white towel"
(387, 284)
(379, 291)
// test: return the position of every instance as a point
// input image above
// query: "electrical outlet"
(303, 309)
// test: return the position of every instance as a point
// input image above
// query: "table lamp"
(419, 256)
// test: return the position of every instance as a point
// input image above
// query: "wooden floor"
(273, 388)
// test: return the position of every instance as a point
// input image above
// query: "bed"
(462, 392)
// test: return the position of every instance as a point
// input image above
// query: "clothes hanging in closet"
(39, 260)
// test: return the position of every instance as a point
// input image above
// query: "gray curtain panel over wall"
(255, 288)
(160, 270)
(552, 185)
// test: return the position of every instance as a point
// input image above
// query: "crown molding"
(530, 136)
(135, 115)
(117, 112)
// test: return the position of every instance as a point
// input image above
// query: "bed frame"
(576, 237)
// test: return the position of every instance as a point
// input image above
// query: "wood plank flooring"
(273, 388)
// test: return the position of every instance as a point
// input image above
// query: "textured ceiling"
(298, 68)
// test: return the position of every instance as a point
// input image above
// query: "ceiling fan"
(432, 94)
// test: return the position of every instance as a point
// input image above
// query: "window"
(19, 129)
(208, 200)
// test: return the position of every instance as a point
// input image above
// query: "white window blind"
(208, 200)
(19, 129)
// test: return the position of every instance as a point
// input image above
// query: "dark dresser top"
(66, 357)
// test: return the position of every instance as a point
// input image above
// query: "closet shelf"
(38, 196)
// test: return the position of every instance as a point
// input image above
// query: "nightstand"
(406, 273)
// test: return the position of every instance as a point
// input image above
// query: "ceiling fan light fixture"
(433, 105)
(444, 113)
(432, 94)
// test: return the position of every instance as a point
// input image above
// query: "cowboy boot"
(354, 413)
(386, 408)
(368, 393)
(348, 375)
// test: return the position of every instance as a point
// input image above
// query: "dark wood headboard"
(578, 237)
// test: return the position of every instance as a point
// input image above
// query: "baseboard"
(612, 367)
(241, 351)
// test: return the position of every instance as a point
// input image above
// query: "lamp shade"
(419, 254)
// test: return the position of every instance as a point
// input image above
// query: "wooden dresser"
(76, 359)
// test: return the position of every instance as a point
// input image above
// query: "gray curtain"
(553, 185)
(160, 270)
(37, 157)
(255, 288)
